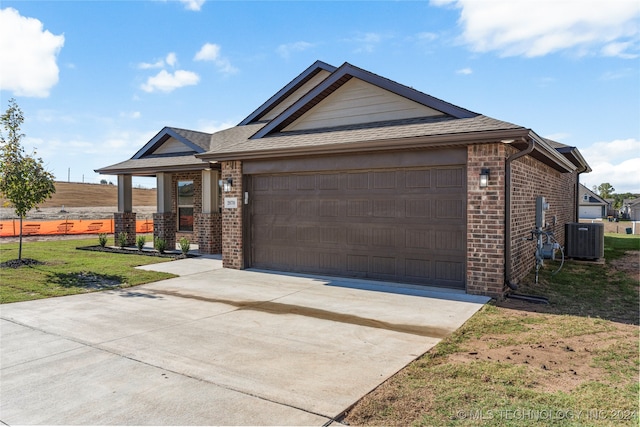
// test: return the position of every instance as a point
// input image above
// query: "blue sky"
(98, 79)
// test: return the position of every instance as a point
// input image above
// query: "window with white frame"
(185, 205)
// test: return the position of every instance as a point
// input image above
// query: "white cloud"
(215, 126)
(194, 5)
(131, 115)
(167, 82)
(211, 52)
(285, 50)
(616, 162)
(535, 28)
(29, 54)
(426, 36)
(619, 74)
(171, 60)
(558, 137)
(368, 41)
(464, 71)
(208, 52)
(149, 65)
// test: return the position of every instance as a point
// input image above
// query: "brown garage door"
(405, 225)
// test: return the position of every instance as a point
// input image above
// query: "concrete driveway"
(214, 346)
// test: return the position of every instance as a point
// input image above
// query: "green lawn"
(64, 270)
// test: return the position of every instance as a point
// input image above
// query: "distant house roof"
(632, 202)
(591, 197)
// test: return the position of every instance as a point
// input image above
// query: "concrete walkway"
(214, 346)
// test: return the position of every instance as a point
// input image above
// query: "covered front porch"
(188, 193)
(188, 206)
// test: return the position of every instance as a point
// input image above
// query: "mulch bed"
(146, 252)
(17, 263)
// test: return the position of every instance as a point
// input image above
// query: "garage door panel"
(450, 178)
(418, 178)
(329, 208)
(449, 209)
(358, 235)
(418, 208)
(418, 268)
(400, 225)
(327, 182)
(447, 271)
(307, 208)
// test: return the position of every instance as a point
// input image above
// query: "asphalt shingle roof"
(237, 140)
(201, 139)
(152, 164)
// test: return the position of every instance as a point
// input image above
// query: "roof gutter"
(507, 200)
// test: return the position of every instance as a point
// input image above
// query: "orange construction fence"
(11, 228)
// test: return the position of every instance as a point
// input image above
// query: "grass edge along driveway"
(62, 270)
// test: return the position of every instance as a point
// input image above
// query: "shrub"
(140, 241)
(160, 245)
(122, 239)
(185, 245)
(102, 239)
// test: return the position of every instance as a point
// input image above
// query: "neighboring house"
(343, 172)
(592, 206)
(625, 209)
(632, 209)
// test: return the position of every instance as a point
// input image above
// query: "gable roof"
(288, 90)
(340, 77)
(594, 199)
(386, 116)
(145, 163)
(571, 153)
(194, 141)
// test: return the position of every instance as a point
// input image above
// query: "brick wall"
(232, 250)
(486, 214)
(209, 232)
(125, 222)
(531, 178)
(164, 227)
(485, 220)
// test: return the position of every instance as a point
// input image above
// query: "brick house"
(344, 172)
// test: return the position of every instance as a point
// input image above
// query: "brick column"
(486, 220)
(164, 227)
(209, 232)
(232, 250)
(125, 222)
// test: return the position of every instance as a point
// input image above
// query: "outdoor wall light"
(484, 178)
(227, 184)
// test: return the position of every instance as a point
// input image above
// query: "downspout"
(507, 201)
(577, 202)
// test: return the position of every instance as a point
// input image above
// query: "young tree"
(23, 178)
(604, 190)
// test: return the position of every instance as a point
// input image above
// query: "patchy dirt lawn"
(514, 358)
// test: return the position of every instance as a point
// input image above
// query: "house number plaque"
(231, 202)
